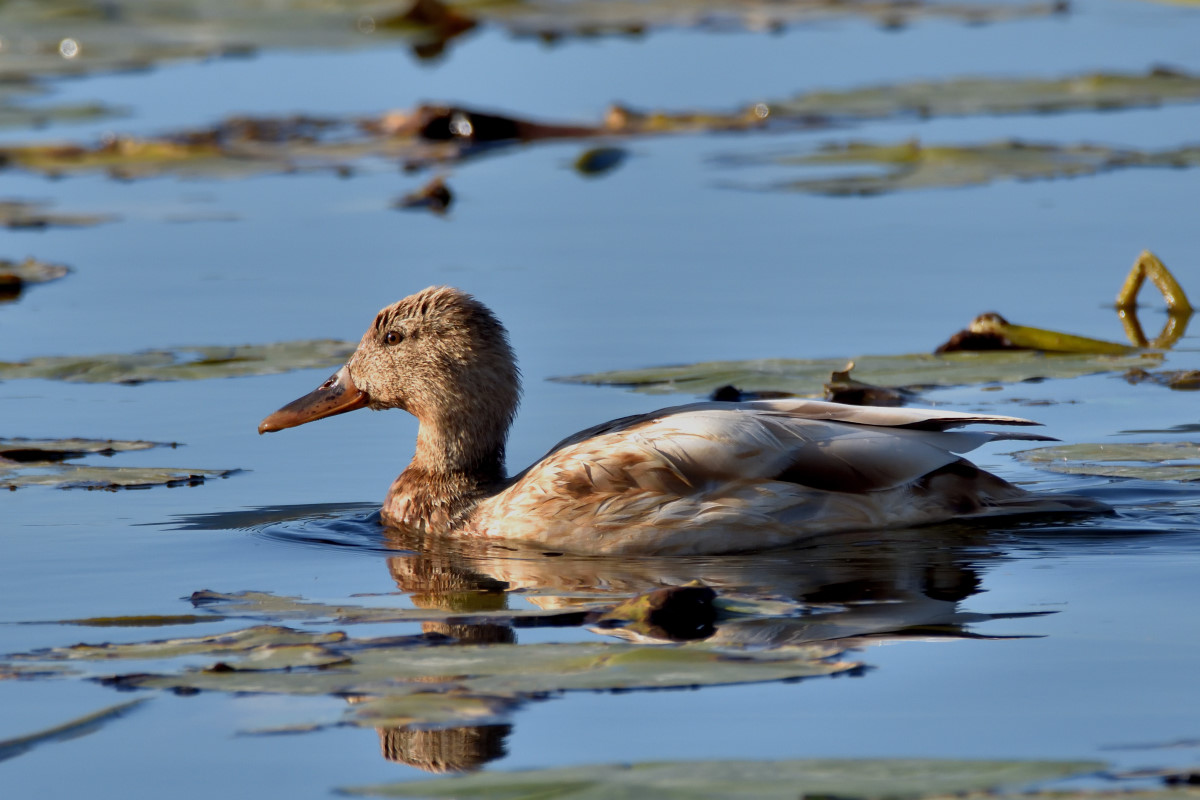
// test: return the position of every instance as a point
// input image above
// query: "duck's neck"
(457, 463)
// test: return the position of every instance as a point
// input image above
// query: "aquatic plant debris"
(895, 779)
(30, 214)
(914, 165)
(1148, 461)
(81, 726)
(422, 679)
(437, 134)
(183, 363)
(16, 275)
(40, 462)
(807, 377)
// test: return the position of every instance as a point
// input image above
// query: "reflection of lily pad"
(807, 377)
(39, 462)
(183, 363)
(913, 165)
(765, 780)
(1164, 461)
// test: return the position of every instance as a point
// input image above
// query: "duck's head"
(439, 354)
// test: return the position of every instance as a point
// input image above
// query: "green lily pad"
(807, 377)
(183, 363)
(762, 780)
(82, 726)
(912, 165)
(1162, 461)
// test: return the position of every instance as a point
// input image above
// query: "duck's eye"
(393, 337)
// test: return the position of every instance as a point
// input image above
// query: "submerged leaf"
(82, 726)
(807, 377)
(183, 363)
(762, 780)
(1161, 461)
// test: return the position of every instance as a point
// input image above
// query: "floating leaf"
(912, 165)
(24, 214)
(183, 363)
(221, 644)
(977, 96)
(38, 462)
(89, 723)
(1183, 379)
(762, 780)
(807, 377)
(16, 275)
(1162, 461)
(270, 606)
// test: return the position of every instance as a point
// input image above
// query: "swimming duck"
(702, 478)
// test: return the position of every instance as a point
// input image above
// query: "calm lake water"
(677, 256)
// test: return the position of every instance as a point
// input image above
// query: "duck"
(705, 478)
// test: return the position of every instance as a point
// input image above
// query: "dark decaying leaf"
(16, 275)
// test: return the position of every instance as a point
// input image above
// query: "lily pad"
(183, 363)
(32, 215)
(39, 462)
(1161, 461)
(222, 644)
(974, 96)
(762, 780)
(82, 726)
(807, 377)
(913, 165)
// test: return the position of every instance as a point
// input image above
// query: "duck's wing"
(827, 446)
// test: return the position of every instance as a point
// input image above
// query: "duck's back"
(722, 477)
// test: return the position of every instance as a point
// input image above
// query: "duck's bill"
(335, 396)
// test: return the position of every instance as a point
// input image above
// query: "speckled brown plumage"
(702, 478)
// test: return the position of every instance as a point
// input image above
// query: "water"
(655, 263)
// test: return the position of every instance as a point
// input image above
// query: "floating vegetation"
(434, 196)
(1167, 461)
(436, 134)
(32, 215)
(183, 363)
(1184, 379)
(16, 275)
(843, 388)
(895, 779)
(1093, 91)
(422, 679)
(991, 331)
(913, 165)
(82, 726)
(808, 377)
(40, 462)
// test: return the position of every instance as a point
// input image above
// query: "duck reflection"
(851, 590)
